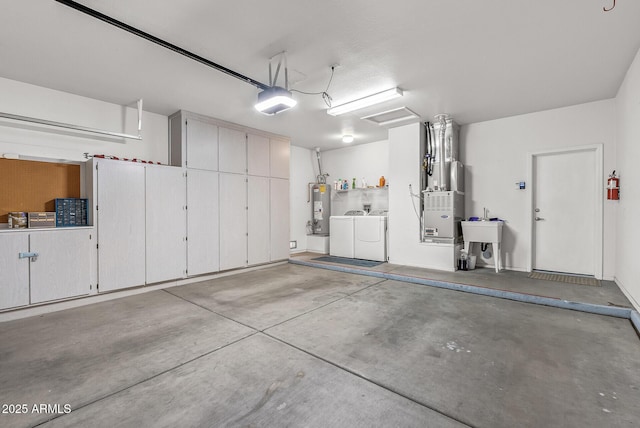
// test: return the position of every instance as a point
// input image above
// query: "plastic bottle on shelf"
(353, 183)
(364, 183)
(345, 185)
(382, 181)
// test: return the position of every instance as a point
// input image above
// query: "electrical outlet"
(293, 245)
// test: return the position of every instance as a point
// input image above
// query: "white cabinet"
(193, 141)
(202, 222)
(63, 266)
(257, 155)
(258, 220)
(61, 269)
(233, 150)
(279, 158)
(233, 221)
(14, 272)
(121, 224)
(279, 222)
(202, 145)
(166, 225)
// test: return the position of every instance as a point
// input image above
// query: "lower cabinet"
(121, 224)
(166, 226)
(233, 221)
(258, 229)
(14, 272)
(54, 265)
(203, 253)
(279, 224)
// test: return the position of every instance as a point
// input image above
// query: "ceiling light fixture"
(367, 101)
(347, 139)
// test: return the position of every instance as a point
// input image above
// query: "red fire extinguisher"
(613, 187)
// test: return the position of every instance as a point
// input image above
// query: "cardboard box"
(17, 220)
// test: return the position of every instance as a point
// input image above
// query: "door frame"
(598, 149)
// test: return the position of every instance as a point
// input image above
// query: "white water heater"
(320, 208)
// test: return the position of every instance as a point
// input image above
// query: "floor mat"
(570, 279)
(347, 261)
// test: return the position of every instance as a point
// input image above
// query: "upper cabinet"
(233, 150)
(279, 158)
(193, 141)
(257, 155)
(201, 142)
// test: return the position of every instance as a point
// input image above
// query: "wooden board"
(29, 185)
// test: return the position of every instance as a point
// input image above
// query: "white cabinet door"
(203, 241)
(279, 158)
(63, 266)
(121, 229)
(257, 155)
(280, 236)
(202, 145)
(233, 151)
(14, 271)
(233, 221)
(258, 220)
(166, 223)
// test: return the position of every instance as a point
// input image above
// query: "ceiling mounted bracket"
(282, 58)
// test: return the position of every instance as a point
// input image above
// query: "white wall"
(302, 172)
(495, 157)
(368, 161)
(365, 160)
(627, 272)
(46, 142)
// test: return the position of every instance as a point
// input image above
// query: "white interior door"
(565, 212)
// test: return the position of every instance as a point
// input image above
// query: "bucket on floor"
(472, 262)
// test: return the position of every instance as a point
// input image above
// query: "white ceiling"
(475, 60)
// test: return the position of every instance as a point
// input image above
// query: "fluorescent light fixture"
(370, 100)
(274, 100)
(347, 138)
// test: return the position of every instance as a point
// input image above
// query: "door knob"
(539, 218)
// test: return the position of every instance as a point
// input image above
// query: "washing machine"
(370, 236)
(341, 237)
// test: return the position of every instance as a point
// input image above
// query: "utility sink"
(483, 231)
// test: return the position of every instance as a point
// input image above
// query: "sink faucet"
(486, 214)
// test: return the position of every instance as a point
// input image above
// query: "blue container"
(71, 212)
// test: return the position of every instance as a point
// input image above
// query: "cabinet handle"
(25, 255)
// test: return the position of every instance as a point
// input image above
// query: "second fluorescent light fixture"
(365, 102)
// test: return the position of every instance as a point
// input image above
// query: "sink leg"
(496, 255)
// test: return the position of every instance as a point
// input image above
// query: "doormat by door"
(347, 261)
(570, 279)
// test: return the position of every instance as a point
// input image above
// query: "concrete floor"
(607, 294)
(298, 346)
